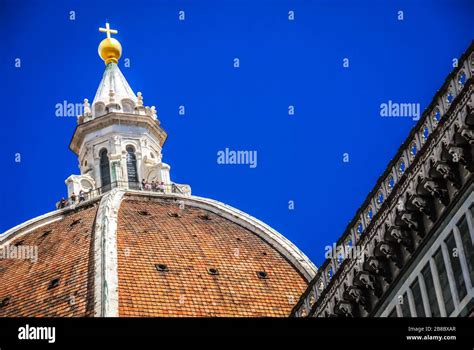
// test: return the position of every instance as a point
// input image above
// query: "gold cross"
(108, 30)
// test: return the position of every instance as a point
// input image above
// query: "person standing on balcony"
(62, 203)
(161, 187)
(82, 196)
(73, 198)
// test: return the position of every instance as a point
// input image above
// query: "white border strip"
(39, 221)
(30, 225)
(106, 301)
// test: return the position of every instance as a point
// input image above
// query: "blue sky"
(190, 63)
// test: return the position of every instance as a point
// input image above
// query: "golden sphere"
(110, 50)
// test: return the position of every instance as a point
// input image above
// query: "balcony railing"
(84, 196)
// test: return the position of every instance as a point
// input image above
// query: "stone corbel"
(407, 219)
(435, 189)
(467, 134)
(423, 204)
(378, 267)
(458, 154)
(398, 235)
(448, 172)
(469, 120)
(368, 281)
(387, 251)
(357, 295)
(344, 308)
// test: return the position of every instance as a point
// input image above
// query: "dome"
(121, 247)
(137, 254)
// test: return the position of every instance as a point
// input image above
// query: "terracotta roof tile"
(64, 254)
(189, 245)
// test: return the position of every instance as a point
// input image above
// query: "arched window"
(133, 181)
(104, 170)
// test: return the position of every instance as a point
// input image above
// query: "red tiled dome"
(171, 260)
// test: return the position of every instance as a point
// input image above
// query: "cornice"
(114, 118)
(440, 139)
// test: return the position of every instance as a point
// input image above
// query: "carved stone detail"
(413, 202)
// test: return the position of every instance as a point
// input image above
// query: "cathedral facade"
(414, 233)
